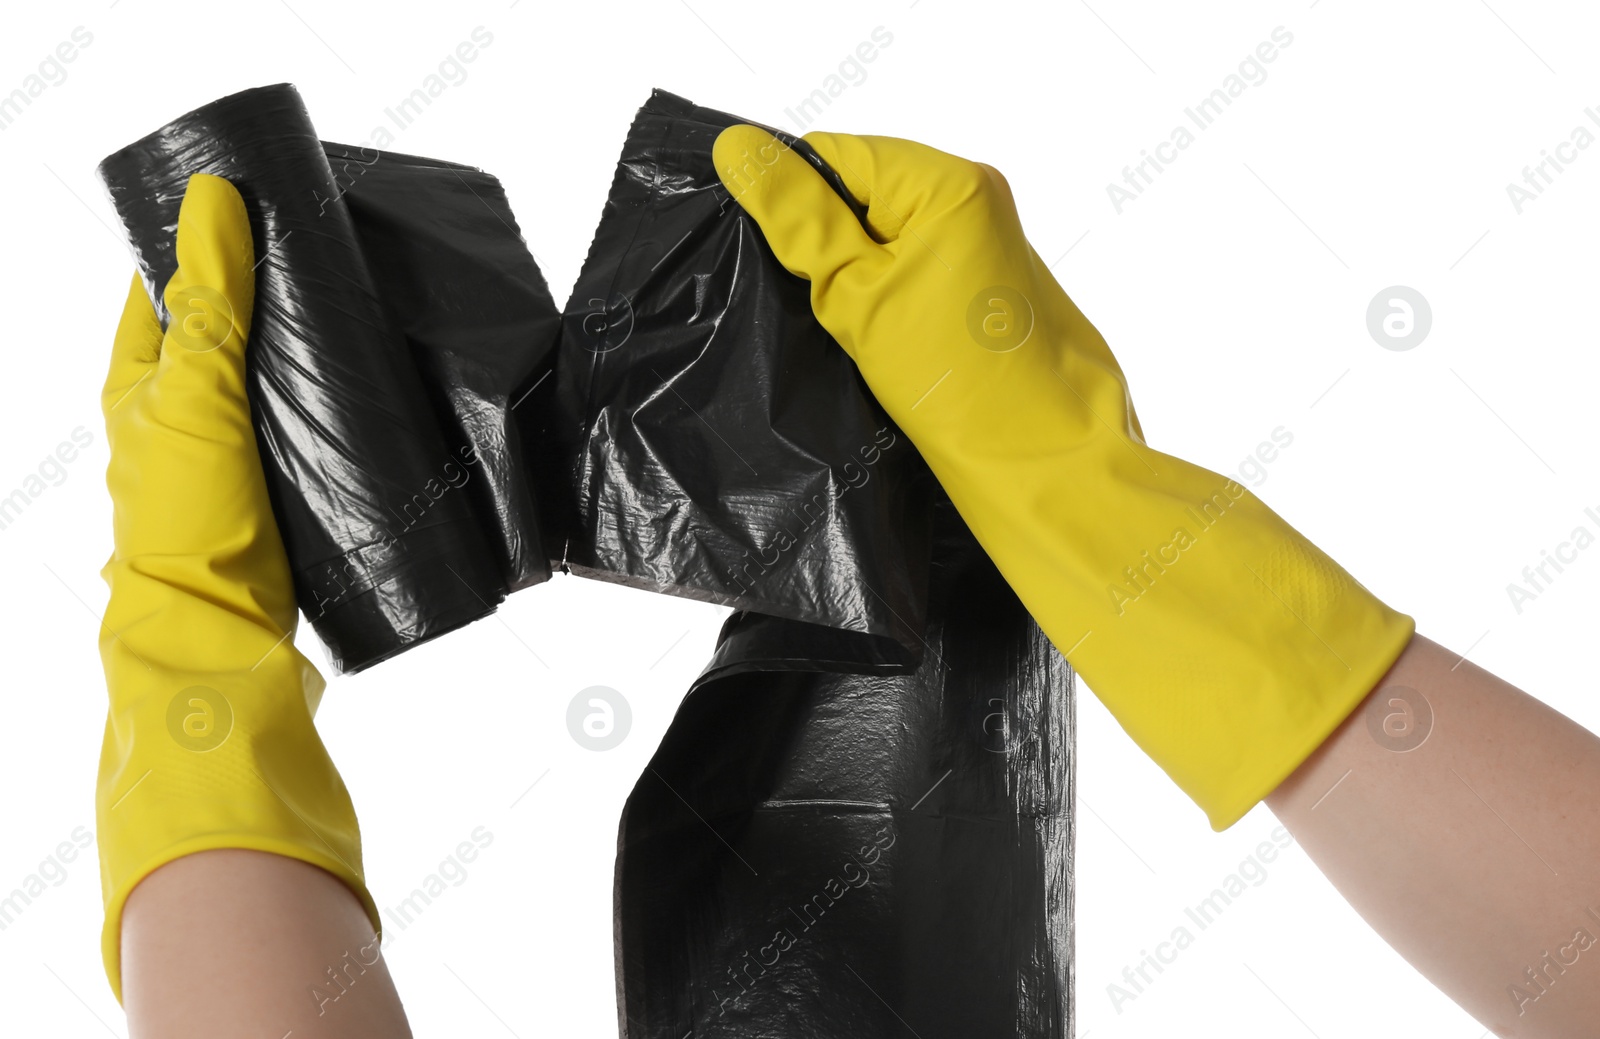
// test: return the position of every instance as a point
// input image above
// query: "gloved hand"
(209, 740)
(1225, 643)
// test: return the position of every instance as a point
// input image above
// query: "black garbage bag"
(859, 822)
(397, 310)
(702, 434)
(821, 854)
(714, 441)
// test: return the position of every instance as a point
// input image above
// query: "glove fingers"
(209, 300)
(900, 182)
(810, 228)
(135, 349)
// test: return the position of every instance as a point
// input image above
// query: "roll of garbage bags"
(859, 822)
(436, 434)
(397, 310)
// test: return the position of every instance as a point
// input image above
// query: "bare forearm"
(1466, 831)
(231, 944)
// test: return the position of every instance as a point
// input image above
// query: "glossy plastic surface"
(814, 853)
(435, 434)
(860, 821)
(397, 311)
(715, 440)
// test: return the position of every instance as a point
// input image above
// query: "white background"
(1376, 152)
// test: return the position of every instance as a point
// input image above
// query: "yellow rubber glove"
(1225, 643)
(209, 740)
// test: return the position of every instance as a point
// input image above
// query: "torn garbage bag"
(715, 440)
(821, 854)
(396, 310)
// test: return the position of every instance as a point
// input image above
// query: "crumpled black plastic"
(702, 434)
(816, 853)
(880, 694)
(397, 310)
(715, 440)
